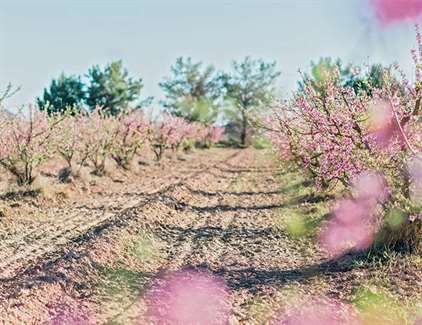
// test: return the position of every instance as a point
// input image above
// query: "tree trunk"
(244, 129)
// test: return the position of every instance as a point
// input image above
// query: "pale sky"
(41, 38)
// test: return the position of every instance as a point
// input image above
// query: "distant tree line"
(198, 92)
(327, 70)
(192, 91)
(110, 88)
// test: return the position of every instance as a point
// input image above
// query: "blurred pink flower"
(189, 298)
(351, 229)
(319, 312)
(353, 225)
(415, 172)
(350, 212)
(69, 314)
(392, 11)
(370, 185)
(383, 126)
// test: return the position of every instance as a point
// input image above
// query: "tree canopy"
(64, 93)
(112, 88)
(330, 70)
(192, 91)
(249, 87)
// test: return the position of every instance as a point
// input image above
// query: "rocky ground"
(95, 250)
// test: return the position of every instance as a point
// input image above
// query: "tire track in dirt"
(167, 217)
(222, 220)
(225, 224)
(75, 230)
(11, 234)
(220, 213)
(219, 219)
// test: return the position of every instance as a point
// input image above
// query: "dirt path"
(24, 245)
(223, 216)
(226, 223)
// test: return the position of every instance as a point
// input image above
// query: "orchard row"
(81, 138)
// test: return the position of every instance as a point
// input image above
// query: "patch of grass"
(122, 281)
(377, 258)
(386, 261)
(144, 249)
(260, 311)
(293, 222)
(222, 145)
(304, 208)
(127, 278)
(236, 185)
(293, 183)
(260, 143)
(378, 306)
(121, 284)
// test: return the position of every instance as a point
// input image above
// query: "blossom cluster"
(339, 136)
(172, 132)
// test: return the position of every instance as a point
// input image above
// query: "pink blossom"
(392, 11)
(415, 172)
(130, 131)
(350, 212)
(189, 298)
(69, 314)
(319, 312)
(351, 228)
(24, 142)
(354, 223)
(383, 126)
(338, 239)
(337, 134)
(215, 134)
(370, 185)
(172, 132)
